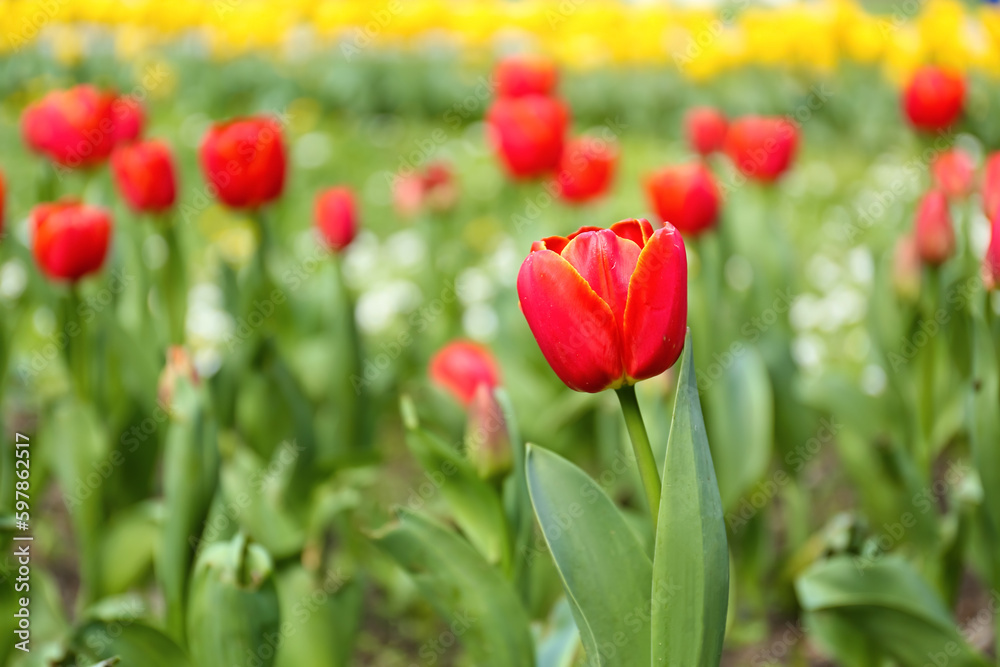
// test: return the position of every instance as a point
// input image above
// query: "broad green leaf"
(131, 641)
(604, 568)
(559, 644)
(475, 505)
(741, 423)
(326, 610)
(517, 502)
(129, 547)
(984, 429)
(690, 590)
(887, 602)
(479, 605)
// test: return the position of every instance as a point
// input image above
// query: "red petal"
(553, 243)
(606, 262)
(637, 229)
(656, 312)
(583, 230)
(575, 329)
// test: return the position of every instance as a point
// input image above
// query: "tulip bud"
(74, 128)
(233, 612)
(991, 263)
(906, 268)
(685, 196)
(336, 217)
(244, 160)
(129, 119)
(461, 366)
(706, 130)
(528, 133)
(487, 441)
(521, 75)
(179, 365)
(991, 186)
(145, 175)
(934, 233)
(933, 98)
(761, 147)
(954, 172)
(608, 307)
(440, 190)
(70, 239)
(586, 169)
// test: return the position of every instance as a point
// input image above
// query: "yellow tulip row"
(701, 42)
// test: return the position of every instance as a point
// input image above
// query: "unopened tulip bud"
(145, 175)
(934, 232)
(528, 133)
(706, 130)
(487, 441)
(906, 268)
(461, 366)
(586, 169)
(685, 196)
(991, 263)
(129, 119)
(74, 127)
(762, 147)
(954, 172)
(179, 366)
(336, 217)
(244, 161)
(991, 187)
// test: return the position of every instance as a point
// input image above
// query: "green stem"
(174, 284)
(76, 346)
(643, 450)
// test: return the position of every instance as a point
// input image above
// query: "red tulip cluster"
(528, 125)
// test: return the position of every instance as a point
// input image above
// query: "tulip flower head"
(991, 263)
(906, 268)
(608, 307)
(433, 188)
(244, 160)
(991, 187)
(934, 232)
(487, 440)
(129, 119)
(933, 98)
(706, 129)
(336, 217)
(521, 75)
(73, 128)
(179, 366)
(586, 169)
(762, 147)
(686, 196)
(145, 175)
(954, 173)
(528, 133)
(461, 366)
(70, 239)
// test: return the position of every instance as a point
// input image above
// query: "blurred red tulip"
(933, 98)
(586, 169)
(706, 130)
(685, 196)
(336, 217)
(70, 239)
(991, 263)
(906, 268)
(521, 75)
(145, 175)
(954, 173)
(762, 147)
(74, 127)
(461, 366)
(528, 133)
(179, 366)
(244, 160)
(608, 307)
(991, 187)
(934, 231)
(434, 187)
(487, 440)
(129, 118)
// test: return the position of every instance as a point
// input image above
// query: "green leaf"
(475, 505)
(129, 547)
(984, 430)
(132, 642)
(741, 423)
(888, 603)
(691, 559)
(604, 568)
(480, 606)
(326, 610)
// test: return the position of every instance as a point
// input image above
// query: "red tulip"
(933, 98)
(434, 188)
(608, 307)
(586, 169)
(991, 263)
(706, 130)
(906, 268)
(954, 172)
(244, 160)
(461, 366)
(935, 235)
(74, 128)
(991, 187)
(487, 440)
(685, 196)
(522, 75)
(129, 119)
(336, 217)
(70, 239)
(528, 133)
(762, 147)
(145, 175)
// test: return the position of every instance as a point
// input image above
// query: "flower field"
(513, 334)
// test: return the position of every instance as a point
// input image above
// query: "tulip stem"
(643, 450)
